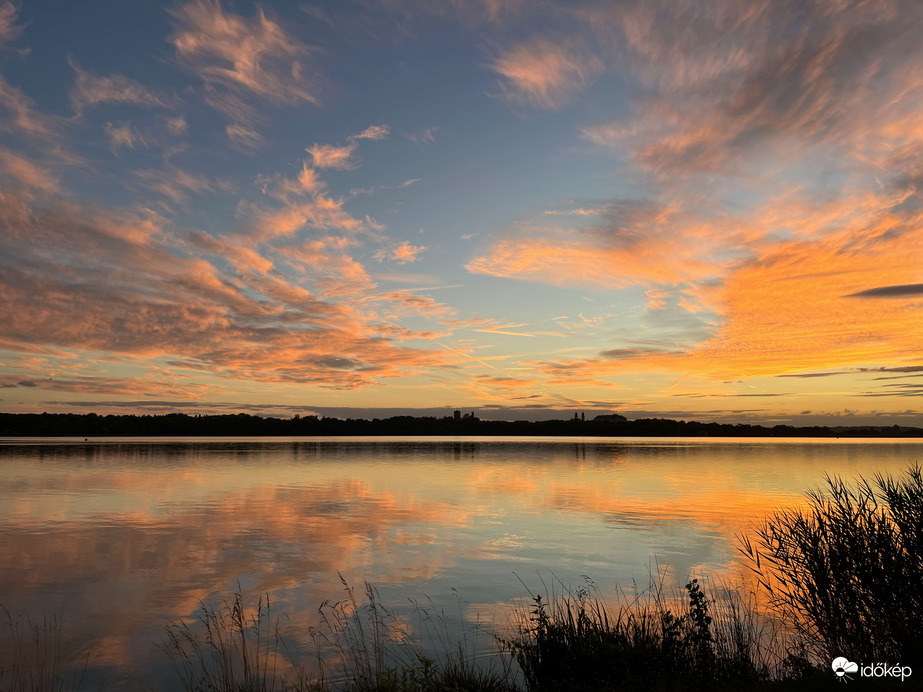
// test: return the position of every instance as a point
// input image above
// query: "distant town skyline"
(694, 210)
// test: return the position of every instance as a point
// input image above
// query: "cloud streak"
(91, 89)
(240, 58)
(889, 292)
(545, 73)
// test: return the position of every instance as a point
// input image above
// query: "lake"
(117, 536)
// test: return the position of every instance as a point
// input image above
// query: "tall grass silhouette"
(847, 571)
(577, 641)
(572, 641)
(228, 649)
(31, 655)
(360, 646)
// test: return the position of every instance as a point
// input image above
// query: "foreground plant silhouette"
(361, 647)
(571, 642)
(31, 656)
(576, 642)
(847, 571)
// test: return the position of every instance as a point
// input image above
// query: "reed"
(227, 650)
(360, 646)
(376, 651)
(576, 641)
(846, 572)
(30, 655)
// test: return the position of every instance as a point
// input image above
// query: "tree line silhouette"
(181, 424)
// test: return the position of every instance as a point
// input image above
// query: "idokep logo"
(843, 667)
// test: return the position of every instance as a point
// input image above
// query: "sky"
(705, 210)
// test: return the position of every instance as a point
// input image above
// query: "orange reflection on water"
(123, 537)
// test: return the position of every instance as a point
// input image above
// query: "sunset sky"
(693, 209)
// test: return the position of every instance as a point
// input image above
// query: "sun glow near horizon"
(704, 210)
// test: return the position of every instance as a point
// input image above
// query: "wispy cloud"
(243, 56)
(159, 133)
(174, 183)
(492, 387)
(402, 253)
(378, 188)
(177, 126)
(26, 173)
(731, 84)
(374, 132)
(91, 89)
(307, 203)
(545, 73)
(333, 156)
(122, 135)
(23, 117)
(627, 247)
(242, 136)
(341, 157)
(424, 137)
(8, 29)
(304, 203)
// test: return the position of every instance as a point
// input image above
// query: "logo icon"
(841, 666)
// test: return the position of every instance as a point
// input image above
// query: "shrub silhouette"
(847, 571)
(575, 643)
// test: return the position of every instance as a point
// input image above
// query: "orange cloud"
(332, 156)
(256, 55)
(781, 164)
(404, 253)
(374, 132)
(795, 307)
(732, 84)
(790, 309)
(628, 248)
(26, 173)
(305, 203)
(545, 73)
(113, 282)
(321, 212)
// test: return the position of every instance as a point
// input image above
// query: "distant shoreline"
(242, 424)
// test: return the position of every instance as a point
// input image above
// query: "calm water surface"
(120, 535)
